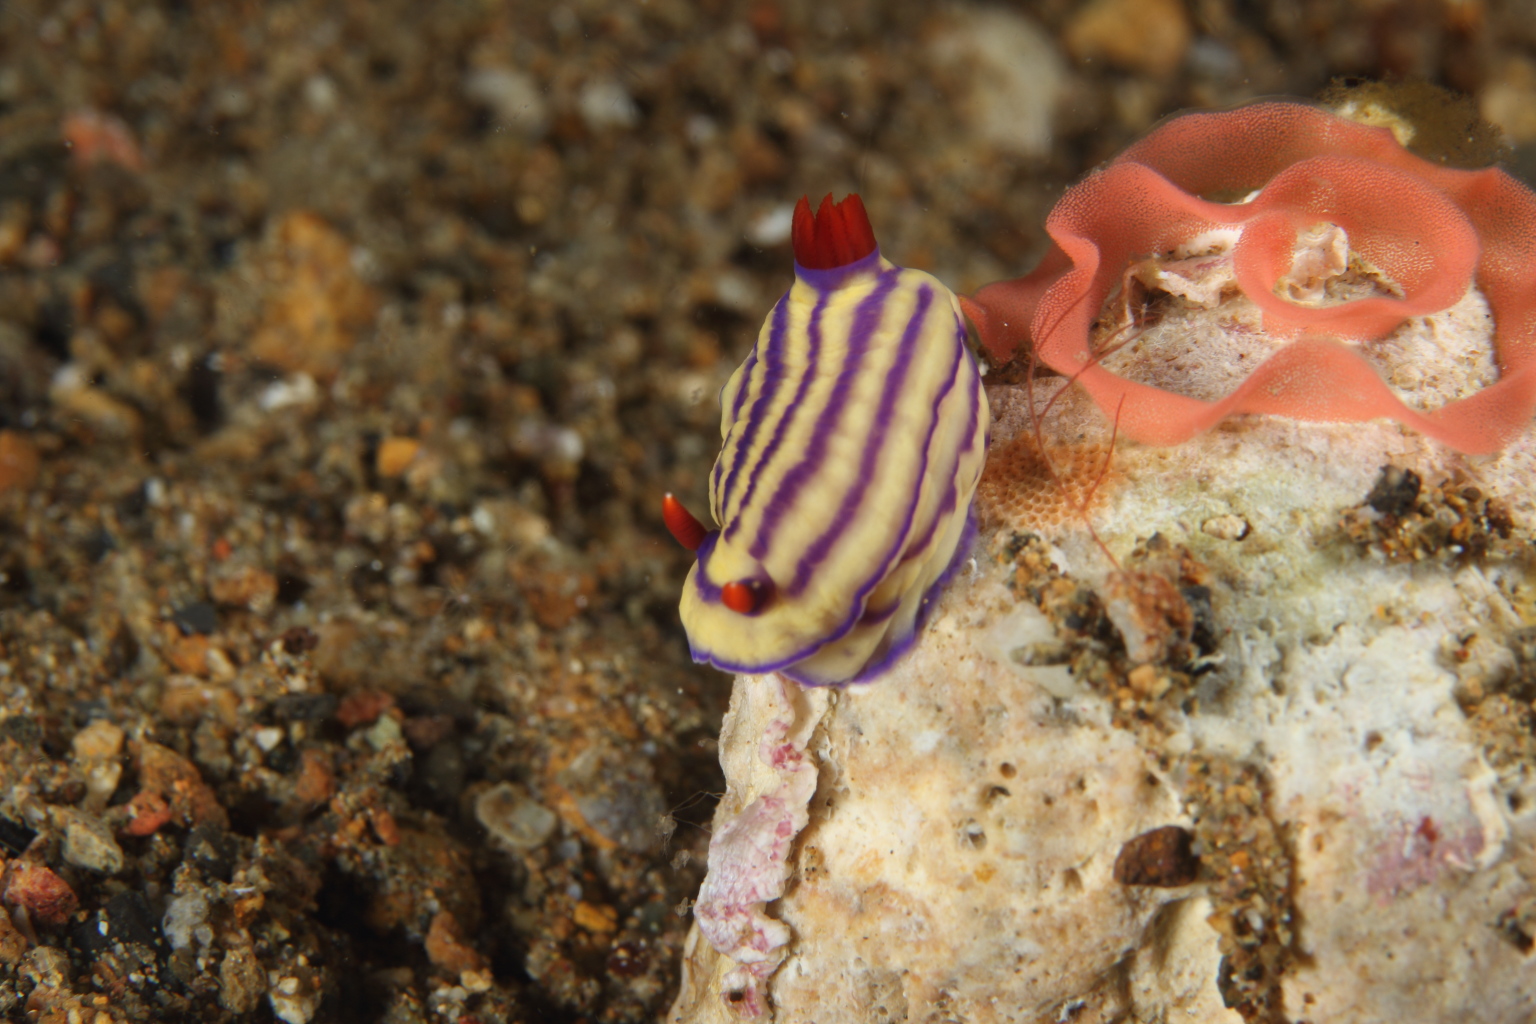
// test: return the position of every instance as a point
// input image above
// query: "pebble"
(384, 733)
(594, 917)
(13, 944)
(47, 898)
(244, 586)
(241, 980)
(93, 137)
(1145, 36)
(98, 741)
(108, 416)
(1509, 100)
(1163, 857)
(168, 775)
(395, 455)
(88, 842)
(604, 103)
(317, 304)
(514, 98)
(1225, 527)
(47, 967)
(294, 995)
(447, 947)
(772, 226)
(147, 812)
(97, 748)
(186, 919)
(514, 818)
(18, 461)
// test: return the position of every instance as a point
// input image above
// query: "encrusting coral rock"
(1431, 230)
(1306, 680)
(748, 855)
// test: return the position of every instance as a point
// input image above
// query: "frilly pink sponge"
(1433, 230)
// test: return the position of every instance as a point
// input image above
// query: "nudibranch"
(854, 435)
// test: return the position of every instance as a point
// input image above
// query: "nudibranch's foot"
(769, 786)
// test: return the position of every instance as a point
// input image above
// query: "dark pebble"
(1163, 857)
(213, 851)
(15, 837)
(23, 729)
(196, 617)
(1395, 491)
(304, 707)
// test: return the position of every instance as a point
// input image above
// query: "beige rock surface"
(1353, 753)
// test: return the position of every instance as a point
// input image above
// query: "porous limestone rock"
(1346, 732)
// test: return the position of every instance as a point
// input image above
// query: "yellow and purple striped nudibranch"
(854, 435)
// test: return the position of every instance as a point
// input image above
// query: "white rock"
(957, 855)
(515, 818)
(88, 842)
(604, 103)
(962, 835)
(186, 919)
(513, 96)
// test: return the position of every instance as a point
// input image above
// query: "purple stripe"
(802, 387)
(826, 280)
(773, 375)
(865, 320)
(853, 495)
(952, 493)
(707, 590)
(741, 397)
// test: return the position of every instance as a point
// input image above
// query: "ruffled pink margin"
(1429, 228)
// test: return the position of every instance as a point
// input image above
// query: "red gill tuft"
(834, 236)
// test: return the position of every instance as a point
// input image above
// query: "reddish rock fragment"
(245, 586)
(1163, 857)
(94, 138)
(19, 461)
(427, 731)
(166, 773)
(384, 826)
(316, 782)
(363, 707)
(47, 898)
(1150, 613)
(447, 947)
(147, 812)
(316, 304)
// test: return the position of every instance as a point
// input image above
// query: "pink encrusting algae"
(1433, 230)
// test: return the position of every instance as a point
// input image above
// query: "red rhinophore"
(681, 524)
(743, 597)
(834, 236)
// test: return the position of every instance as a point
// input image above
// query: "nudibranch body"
(854, 435)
